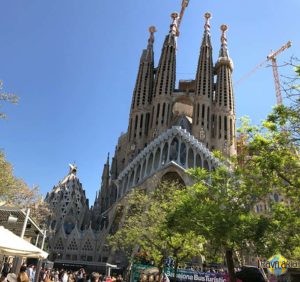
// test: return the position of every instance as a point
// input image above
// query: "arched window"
(182, 158)
(164, 157)
(156, 158)
(68, 226)
(198, 161)
(191, 158)
(126, 184)
(206, 165)
(138, 172)
(131, 179)
(149, 165)
(174, 149)
(143, 169)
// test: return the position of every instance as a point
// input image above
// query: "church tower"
(164, 82)
(68, 203)
(202, 124)
(223, 133)
(170, 129)
(139, 119)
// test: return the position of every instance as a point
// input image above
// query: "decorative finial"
(152, 29)
(173, 26)
(207, 16)
(223, 28)
(73, 169)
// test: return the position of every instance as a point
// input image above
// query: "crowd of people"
(28, 274)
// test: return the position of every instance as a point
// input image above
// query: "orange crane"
(272, 57)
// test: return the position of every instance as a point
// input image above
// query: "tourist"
(65, 277)
(23, 276)
(6, 268)
(95, 277)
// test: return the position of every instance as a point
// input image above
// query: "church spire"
(105, 174)
(206, 36)
(224, 131)
(114, 166)
(224, 51)
(152, 29)
(165, 80)
(139, 117)
(204, 87)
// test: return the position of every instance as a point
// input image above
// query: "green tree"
(15, 192)
(217, 207)
(220, 206)
(6, 97)
(291, 114)
(144, 230)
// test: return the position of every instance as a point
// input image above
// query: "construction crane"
(174, 27)
(272, 57)
(184, 4)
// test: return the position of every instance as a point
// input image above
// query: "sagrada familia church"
(170, 128)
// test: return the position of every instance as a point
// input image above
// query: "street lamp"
(109, 267)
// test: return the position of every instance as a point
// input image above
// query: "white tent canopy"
(13, 245)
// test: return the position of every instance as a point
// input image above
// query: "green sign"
(136, 271)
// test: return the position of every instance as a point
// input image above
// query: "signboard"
(183, 275)
(193, 275)
(136, 271)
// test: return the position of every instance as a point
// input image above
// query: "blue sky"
(73, 63)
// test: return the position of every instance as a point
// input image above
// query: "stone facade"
(170, 129)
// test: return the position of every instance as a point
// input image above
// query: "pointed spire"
(224, 54)
(206, 36)
(224, 50)
(174, 25)
(223, 28)
(152, 29)
(148, 56)
(207, 16)
(105, 173)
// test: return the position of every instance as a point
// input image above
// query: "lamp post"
(109, 267)
(39, 264)
(18, 260)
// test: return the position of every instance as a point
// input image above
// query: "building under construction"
(170, 128)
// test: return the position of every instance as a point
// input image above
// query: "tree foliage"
(14, 192)
(144, 229)
(6, 97)
(291, 88)
(234, 207)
